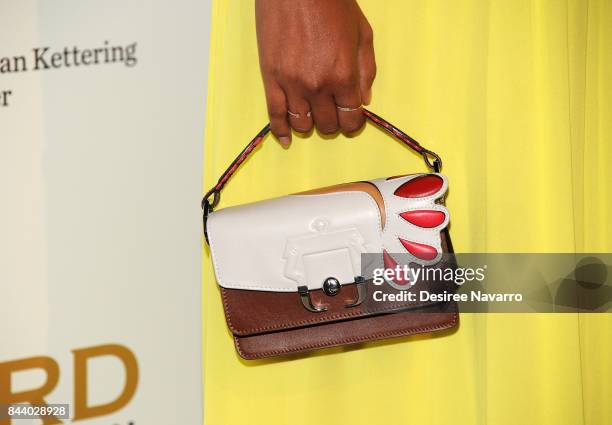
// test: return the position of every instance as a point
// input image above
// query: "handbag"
(292, 272)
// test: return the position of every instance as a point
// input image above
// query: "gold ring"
(347, 109)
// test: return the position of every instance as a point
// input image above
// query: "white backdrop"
(100, 179)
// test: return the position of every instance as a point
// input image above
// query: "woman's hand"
(315, 56)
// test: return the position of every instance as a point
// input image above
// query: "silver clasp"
(307, 301)
(304, 293)
(362, 292)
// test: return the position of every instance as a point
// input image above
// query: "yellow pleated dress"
(516, 96)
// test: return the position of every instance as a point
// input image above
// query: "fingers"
(350, 120)
(300, 116)
(319, 109)
(290, 99)
(277, 111)
(325, 113)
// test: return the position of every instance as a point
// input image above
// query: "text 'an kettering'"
(44, 58)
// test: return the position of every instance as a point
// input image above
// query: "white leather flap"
(283, 243)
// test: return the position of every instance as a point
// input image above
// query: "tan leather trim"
(366, 187)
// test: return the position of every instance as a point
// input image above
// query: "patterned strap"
(215, 192)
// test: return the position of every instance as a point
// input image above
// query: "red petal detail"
(420, 187)
(419, 250)
(424, 218)
(390, 263)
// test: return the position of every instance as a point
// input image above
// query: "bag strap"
(215, 192)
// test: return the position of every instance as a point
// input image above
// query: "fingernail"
(285, 141)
